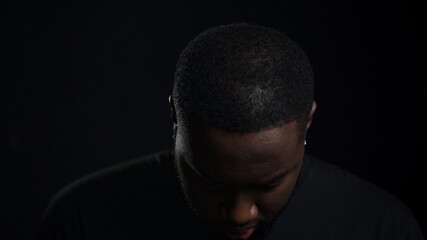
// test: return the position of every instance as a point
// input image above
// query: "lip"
(240, 234)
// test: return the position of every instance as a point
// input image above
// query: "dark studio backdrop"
(85, 86)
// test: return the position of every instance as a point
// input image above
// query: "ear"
(173, 111)
(310, 119)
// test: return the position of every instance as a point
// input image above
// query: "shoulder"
(333, 197)
(114, 198)
(339, 183)
(138, 172)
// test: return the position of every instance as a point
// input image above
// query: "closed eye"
(268, 187)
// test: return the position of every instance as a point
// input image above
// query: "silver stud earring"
(305, 142)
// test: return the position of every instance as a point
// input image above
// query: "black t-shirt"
(142, 199)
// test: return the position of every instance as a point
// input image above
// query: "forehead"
(242, 157)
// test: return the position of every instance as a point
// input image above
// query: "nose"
(239, 211)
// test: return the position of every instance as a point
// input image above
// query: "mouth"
(240, 234)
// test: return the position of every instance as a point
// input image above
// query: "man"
(241, 106)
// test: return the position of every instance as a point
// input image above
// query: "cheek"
(203, 201)
(270, 204)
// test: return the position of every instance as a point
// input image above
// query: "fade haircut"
(243, 78)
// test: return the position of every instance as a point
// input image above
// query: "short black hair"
(244, 78)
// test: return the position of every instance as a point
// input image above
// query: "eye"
(268, 187)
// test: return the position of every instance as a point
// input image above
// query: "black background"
(85, 86)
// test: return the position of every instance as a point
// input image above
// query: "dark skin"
(238, 181)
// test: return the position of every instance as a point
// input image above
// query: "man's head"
(242, 102)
